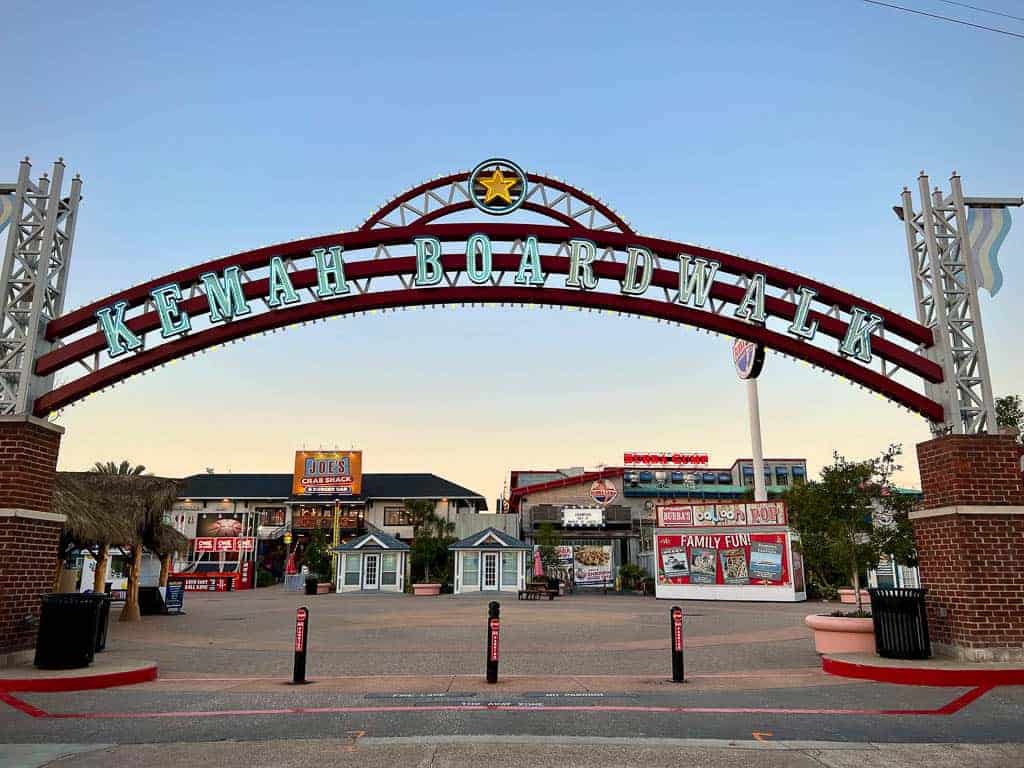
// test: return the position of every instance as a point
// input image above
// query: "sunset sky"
(782, 131)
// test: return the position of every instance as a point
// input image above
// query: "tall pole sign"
(748, 358)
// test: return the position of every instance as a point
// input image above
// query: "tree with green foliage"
(432, 535)
(851, 516)
(1010, 414)
(317, 555)
(547, 540)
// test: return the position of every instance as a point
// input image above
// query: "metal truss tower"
(946, 298)
(34, 279)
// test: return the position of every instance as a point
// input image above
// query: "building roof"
(490, 538)
(376, 485)
(366, 543)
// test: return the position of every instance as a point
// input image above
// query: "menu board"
(722, 558)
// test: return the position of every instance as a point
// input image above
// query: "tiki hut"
(124, 511)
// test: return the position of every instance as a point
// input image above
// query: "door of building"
(371, 571)
(490, 570)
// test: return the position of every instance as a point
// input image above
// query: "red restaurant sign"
(690, 459)
(222, 544)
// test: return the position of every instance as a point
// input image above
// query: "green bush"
(265, 578)
(632, 576)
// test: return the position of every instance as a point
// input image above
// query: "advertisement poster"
(564, 556)
(674, 563)
(798, 568)
(766, 560)
(328, 473)
(734, 566)
(723, 558)
(703, 565)
(217, 524)
(721, 515)
(593, 565)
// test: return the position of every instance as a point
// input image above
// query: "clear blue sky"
(780, 130)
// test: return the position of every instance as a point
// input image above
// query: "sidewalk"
(515, 752)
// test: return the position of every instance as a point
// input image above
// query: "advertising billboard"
(328, 473)
(721, 515)
(217, 525)
(592, 565)
(727, 558)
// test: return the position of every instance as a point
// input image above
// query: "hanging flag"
(6, 211)
(987, 228)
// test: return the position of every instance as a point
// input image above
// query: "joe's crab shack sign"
(574, 252)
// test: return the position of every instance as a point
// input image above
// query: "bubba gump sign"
(721, 515)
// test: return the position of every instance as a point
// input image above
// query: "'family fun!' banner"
(727, 558)
(328, 473)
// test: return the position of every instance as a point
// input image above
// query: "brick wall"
(971, 564)
(970, 470)
(28, 464)
(28, 559)
(28, 547)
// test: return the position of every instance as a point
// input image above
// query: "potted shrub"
(632, 576)
(836, 517)
(431, 537)
(317, 558)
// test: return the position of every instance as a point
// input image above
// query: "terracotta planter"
(848, 596)
(841, 634)
(426, 589)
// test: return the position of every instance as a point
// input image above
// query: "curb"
(934, 676)
(91, 682)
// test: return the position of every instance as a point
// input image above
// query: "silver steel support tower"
(33, 280)
(946, 298)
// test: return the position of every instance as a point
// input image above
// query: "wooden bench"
(536, 592)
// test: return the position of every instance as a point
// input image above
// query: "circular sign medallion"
(497, 186)
(603, 491)
(748, 357)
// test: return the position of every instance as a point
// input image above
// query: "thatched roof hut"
(118, 510)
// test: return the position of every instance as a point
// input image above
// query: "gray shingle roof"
(389, 542)
(507, 542)
(376, 485)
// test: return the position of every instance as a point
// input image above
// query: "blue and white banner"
(6, 211)
(987, 228)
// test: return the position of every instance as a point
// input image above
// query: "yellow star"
(498, 186)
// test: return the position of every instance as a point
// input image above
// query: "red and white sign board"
(721, 515)
(665, 459)
(223, 544)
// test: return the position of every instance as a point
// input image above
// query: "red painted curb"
(924, 676)
(81, 682)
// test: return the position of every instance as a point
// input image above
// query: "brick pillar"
(29, 530)
(970, 541)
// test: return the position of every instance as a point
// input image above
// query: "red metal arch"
(393, 205)
(150, 358)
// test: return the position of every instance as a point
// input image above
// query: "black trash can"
(311, 586)
(103, 620)
(901, 624)
(68, 631)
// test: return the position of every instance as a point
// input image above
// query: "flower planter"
(426, 589)
(842, 634)
(848, 596)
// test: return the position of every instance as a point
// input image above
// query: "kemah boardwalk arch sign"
(536, 240)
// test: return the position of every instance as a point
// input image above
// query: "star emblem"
(498, 186)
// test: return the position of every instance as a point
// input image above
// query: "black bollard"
(676, 621)
(493, 632)
(301, 640)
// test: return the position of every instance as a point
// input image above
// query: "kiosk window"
(352, 563)
(389, 569)
(471, 568)
(509, 568)
(396, 516)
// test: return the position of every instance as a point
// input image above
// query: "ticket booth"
(374, 562)
(489, 561)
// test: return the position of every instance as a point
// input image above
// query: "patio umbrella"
(538, 567)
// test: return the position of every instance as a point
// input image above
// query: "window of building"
(352, 563)
(389, 569)
(397, 516)
(509, 568)
(471, 568)
(271, 516)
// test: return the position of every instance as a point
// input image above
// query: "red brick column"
(970, 540)
(29, 530)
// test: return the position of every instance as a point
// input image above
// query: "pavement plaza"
(396, 677)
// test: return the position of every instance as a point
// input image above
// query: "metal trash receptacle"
(103, 620)
(68, 631)
(901, 624)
